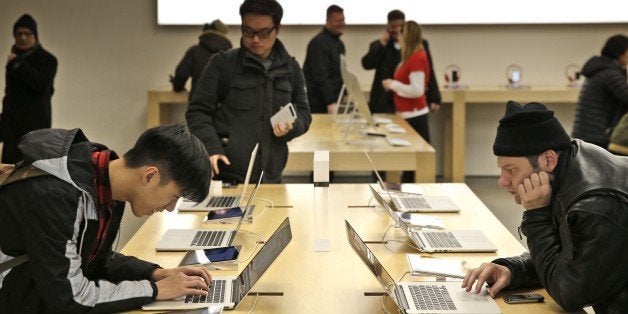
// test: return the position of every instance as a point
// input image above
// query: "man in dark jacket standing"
(66, 221)
(211, 41)
(238, 93)
(384, 55)
(322, 63)
(576, 212)
(604, 95)
(30, 73)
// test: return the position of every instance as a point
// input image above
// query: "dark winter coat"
(231, 109)
(27, 102)
(602, 102)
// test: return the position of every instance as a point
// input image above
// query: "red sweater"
(417, 62)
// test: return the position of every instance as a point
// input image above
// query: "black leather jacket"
(578, 243)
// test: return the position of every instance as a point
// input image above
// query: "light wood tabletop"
(334, 281)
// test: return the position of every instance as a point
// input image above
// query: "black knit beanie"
(26, 21)
(529, 130)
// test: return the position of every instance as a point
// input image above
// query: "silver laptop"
(199, 239)
(222, 201)
(413, 202)
(229, 291)
(440, 240)
(426, 296)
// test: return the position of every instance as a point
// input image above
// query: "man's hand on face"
(535, 191)
(384, 39)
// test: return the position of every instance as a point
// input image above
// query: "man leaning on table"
(241, 89)
(575, 199)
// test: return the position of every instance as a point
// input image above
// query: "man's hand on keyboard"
(179, 285)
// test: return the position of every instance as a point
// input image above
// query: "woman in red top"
(410, 82)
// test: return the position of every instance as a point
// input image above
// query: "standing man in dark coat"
(212, 40)
(322, 63)
(30, 73)
(384, 55)
(240, 90)
(604, 95)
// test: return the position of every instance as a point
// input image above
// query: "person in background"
(384, 55)
(240, 90)
(66, 221)
(30, 73)
(212, 40)
(410, 83)
(322, 63)
(604, 95)
(575, 201)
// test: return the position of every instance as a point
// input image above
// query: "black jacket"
(385, 60)
(195, 60)
(46, 217)
(231, 109)
(26, 104)
(322, 70)
(602, 102)
(578, 243)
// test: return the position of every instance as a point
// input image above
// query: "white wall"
(111, 52)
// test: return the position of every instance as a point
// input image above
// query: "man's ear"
(277, 29)
(151, 175)
(548, 160)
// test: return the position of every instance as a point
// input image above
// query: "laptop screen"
(264, 257)
(245, 210)
(396, 218)
(368, 257)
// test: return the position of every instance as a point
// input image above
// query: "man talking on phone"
(575, 218)
(238, 93)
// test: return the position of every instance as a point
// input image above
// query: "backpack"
(10, 173)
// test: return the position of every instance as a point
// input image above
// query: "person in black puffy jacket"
(575, 218)
(604, 95)
(212, 40)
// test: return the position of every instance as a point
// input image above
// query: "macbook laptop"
(199, 239)
(423, 297)
(440, 240)
(413, 202)
(222, 201)
(229, 291)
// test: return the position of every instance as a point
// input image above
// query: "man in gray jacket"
(575, 219)
(238, 93)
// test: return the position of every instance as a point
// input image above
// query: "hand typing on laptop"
(497, 276)
(180, 281)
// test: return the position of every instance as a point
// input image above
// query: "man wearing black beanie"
(30, 73)
(575, 197)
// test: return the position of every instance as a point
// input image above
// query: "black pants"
(420, 125)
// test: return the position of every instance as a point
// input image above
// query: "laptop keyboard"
(216, 294)
(221, 201)
(432, 297)
(441, 239)
(208, 238)
(414, 202)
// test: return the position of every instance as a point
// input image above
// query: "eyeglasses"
(261, 34)
(23, 33)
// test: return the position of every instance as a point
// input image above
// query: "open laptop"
(440, 240)
(229, 291)
(426, 296)
(200, 239)
(222, 201)
(413, 202)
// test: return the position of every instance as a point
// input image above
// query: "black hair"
(262, 7)
(615, 46)
(334, 9)
(396, 15)
(178, 154)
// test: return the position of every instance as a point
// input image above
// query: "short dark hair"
(262, 7)
(396, 15)
(334, 9)
(179, 155)
(615, 46)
